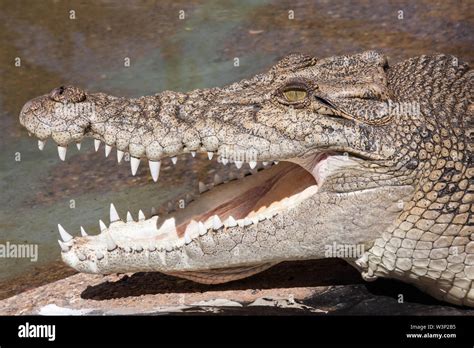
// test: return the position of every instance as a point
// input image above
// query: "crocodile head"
(337, 148)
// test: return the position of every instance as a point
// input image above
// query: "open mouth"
(260, 192)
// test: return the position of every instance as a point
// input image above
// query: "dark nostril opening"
(61, 90)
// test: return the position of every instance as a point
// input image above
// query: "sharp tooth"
(111, 245)
(151, 248)
(41, 144)
(254, 219)
(216, 222)
(247, 221)
(202, 187)
(102, 226)
(202, 229)
(114, 216)
(252, 164)
(265, 163)
(188, 198)
(108, 148)
(192, 229)
(81, 256)
(78, 145)
(62, 152)
(141, 216)
(134, 163)
(238, 164)
(64, 246)
(129, 217)
(154, 169)
(225, 161)
(174, 160)
(217, 179)
(193, 153)
(96, 144)
(210, 154)
(231, 222)
(187, 238)
(99, 255)
(276, 162)
(240, 222)
(64, 235)
(83, 232)
(119, 155)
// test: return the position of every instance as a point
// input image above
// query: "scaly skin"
(403, 188)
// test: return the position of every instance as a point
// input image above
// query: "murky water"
(165, 52)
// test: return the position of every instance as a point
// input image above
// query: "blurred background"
(86, 43)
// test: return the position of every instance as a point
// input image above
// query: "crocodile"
(347, 156)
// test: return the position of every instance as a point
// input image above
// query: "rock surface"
(306, 287)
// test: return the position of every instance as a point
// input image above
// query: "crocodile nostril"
(67, 94)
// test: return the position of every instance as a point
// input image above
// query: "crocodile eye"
(295, 95)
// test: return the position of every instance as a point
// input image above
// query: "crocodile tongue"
(248, 196)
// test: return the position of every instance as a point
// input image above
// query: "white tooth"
(276, 162)
(193, 153)
(154, 169)
(64, 235)
(41, 144)
(111, 245)
(108, 148)
(210, 154)
(174, 160)
(96, 144)
(192, 229)
(141, 216)
(225, 161)
(254, 219)
(152, 248)
(217, 179)
(231, 222)
(102, 226)
(83, 232)
(187, 238)
(202, 229)
(64, 246)
(129, 217)
(238, 164)
(99, 255)
(202, 187)
(134, 163)
(216, 222)
(81, 256)
(78, 145)
(247, 221)
(119, 155)
(139, 248)
(114, 216)
(240, 222)
(265, 163)
(62, 152)
(252, 164)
